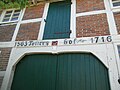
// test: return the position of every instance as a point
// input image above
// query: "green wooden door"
(71, 71)
(81, 72)
(58, 20)
(35, 72)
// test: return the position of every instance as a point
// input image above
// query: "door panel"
(81, 72)
(70, 71)
(64, 73)
(58, 20)
(35, 72)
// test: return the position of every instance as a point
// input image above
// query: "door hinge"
(69, 32)
(45, 20)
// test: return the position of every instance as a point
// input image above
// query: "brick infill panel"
(117, 21)
(93, 25)
(28, 31)
(6, 32)
(34, 12)
(4, 58)
(89, 5)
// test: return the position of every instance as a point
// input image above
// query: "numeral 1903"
(101, 39)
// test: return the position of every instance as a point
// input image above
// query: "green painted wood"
(70, 71)
(64, 72)
(57, 24)
(81, 72)
(35, 72)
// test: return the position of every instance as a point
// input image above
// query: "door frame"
(60, 53)
(100, 51)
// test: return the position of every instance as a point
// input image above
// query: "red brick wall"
(94, 25)
(1, 79)
(6, 32)
(28, 31)
(89, 5)
(117, 21)
(34, 12)
(4, 57)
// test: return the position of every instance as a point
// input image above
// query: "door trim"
(100, 51)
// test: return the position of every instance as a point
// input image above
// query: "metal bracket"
(45, 20)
